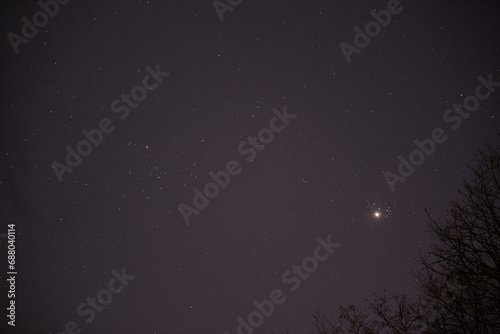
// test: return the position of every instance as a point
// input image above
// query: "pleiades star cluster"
(230, 166)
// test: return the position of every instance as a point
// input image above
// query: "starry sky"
(170, 91)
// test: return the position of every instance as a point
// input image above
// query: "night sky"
(300, 116)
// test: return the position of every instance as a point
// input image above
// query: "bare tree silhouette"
(458, 287)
